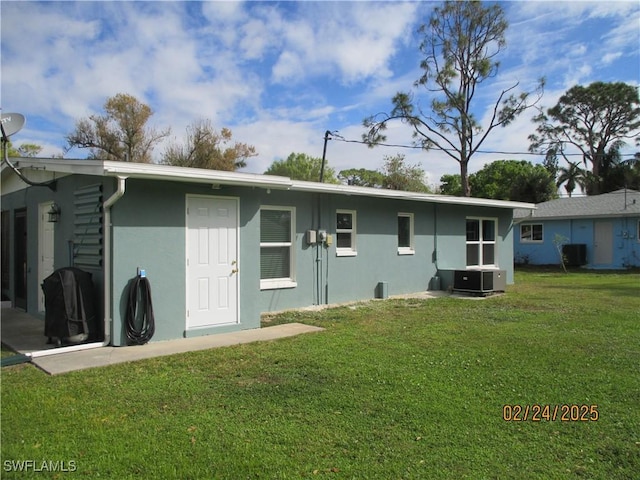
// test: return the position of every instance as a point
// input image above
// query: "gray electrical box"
(311, 237)
(382, 290)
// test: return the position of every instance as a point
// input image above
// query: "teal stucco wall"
(149, 232)
(324, 277)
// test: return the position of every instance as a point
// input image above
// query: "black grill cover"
(70, 313)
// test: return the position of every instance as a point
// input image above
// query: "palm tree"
(573, 175)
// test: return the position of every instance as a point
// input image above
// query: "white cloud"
(350, 41)
(625, 34)
(611, 57)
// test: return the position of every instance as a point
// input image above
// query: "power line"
(417, 147)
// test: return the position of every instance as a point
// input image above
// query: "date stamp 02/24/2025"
(550, 413)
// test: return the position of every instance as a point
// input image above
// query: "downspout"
(107, 281)
(435, 237)
(109, 202)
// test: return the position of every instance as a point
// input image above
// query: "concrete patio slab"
(103, 356)
(99, 357)
(24, 334)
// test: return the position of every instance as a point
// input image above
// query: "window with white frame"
(481, 242)
(405, 234)
(345, 232)
(277, 252)
(530, 233)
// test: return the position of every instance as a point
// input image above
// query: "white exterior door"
(212, 261)
(603, 243)
(46, 237)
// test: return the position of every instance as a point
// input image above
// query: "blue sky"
(279, 74)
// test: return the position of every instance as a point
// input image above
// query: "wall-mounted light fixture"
(54, 213)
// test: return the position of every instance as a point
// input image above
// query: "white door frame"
(46, 248)
(233, 269)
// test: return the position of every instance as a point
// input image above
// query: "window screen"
(276, 248)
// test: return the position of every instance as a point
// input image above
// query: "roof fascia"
(59, 165)
(194, 175)
(301, 186)
(576, 217)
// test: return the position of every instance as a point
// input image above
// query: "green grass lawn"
(390, 390)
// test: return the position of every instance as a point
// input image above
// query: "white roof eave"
(217, 177)
(547, 218)
(399, 194)
(194, 175)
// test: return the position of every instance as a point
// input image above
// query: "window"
(405, 234)
(345, 233)
(481, 242)
(277, 231)
(531, 233)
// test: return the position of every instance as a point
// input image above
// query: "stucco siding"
(377, 259)
(324, 277)
(149, 231)
(451, 240)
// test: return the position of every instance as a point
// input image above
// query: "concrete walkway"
(103, 356)
(99, 357)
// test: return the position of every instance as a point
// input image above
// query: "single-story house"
(599, 231)
(221, 248)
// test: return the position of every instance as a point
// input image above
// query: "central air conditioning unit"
(480, 282)
(575, 254)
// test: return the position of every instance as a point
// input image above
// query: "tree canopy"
(450, 184)
(398, 175)
(460, 44)
(596, 120)
(571, 176)
(207, 148)
(300, 166)
(28, 150)
(362, 177)
(515, 180)
(395, 174)
(120, 134)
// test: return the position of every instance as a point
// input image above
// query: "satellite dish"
(11, 123)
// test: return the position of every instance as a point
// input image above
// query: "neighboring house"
(220, 248)
(600, 231)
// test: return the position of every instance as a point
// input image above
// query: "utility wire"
(417, 147)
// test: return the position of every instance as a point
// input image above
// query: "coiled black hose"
(140, 321)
